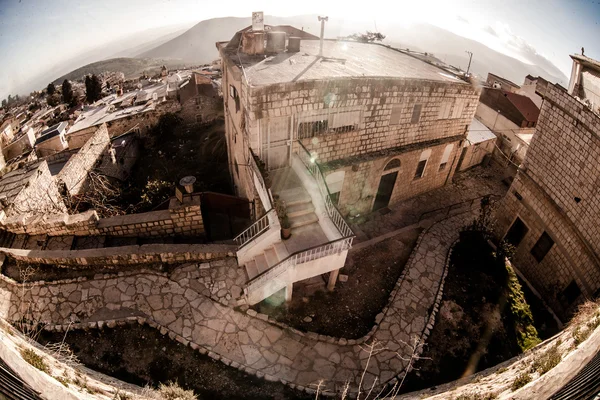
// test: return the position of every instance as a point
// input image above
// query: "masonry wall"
(558, 188)
(361, 178)
(74, 175)
(126, 156)
(19, 146)
(51, 146)
(184, 219)
(39, 198)
(474, 154)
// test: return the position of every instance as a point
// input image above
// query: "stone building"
(52, 140)
(480, 144)
(337, 125)
(498, 82)
(585, 80)
(199, 99)
(552, 210)
(512, 117)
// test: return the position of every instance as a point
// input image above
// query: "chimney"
(323, 20)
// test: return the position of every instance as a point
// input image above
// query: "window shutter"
(396, 114)
(345, 119)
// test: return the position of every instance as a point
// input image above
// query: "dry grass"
(35, 359)
(585, 321)
(172, 391)
(521, 380)
(544, 362)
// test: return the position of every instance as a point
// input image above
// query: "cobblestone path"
(176, 305)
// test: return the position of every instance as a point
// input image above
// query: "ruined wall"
(474, 154)
(75, 172)
(180, 219)
(557, 186)
(127, 149)
(23, 144)
(201, 109)
(362, 177)
(51, 146)
(39, 197)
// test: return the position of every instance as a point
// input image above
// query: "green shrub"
(544, 362)
(521, 380)
(35, 359)
(527, 335)
(172, 391)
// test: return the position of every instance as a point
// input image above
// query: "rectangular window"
(446, 156)
(444, 112)
(420, 169)
(416, 114)
(311, 129)
(344, 121)
(516, 233)
(396, 114)
(459, 106)
(542, 247)
(233, 93)
(571, 292)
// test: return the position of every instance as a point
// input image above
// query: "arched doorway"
(386, 184)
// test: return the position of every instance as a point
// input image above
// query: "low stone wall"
(180, 219)
(124, 255)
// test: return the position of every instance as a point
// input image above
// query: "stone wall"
(183, 219)
(124, 255)
(39, 197)
(362, 176)
(555, 192)
(75, 172)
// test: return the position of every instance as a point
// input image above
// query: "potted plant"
(286, 230)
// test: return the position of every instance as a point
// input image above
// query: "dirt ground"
(349, 311)
(472, 331)
(197, 150)
(141, 355)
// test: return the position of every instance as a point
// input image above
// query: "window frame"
(539, 250)
(415, 117)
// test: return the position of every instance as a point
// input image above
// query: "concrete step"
(281, 251)
(271, 256)
(295, 196)
(251, 269)
(302, 220)
(300, 209)
(261, 263)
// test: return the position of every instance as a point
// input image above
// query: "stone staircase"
(300, 209)
(266, 260)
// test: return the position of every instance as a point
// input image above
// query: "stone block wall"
(362, 176)
(75, 172)
(560, 167)
(180, 219)
(374, 98)
(39, 197)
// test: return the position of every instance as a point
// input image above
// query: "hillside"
(197, 45)
(131, 67)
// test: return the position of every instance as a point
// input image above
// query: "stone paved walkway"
(175, 305)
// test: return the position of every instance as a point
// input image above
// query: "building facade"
(342, 128)
(551, 212)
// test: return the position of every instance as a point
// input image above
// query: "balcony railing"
(332, 211)
(299, 257)
(270, 218)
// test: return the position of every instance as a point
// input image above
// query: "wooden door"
(385, 190)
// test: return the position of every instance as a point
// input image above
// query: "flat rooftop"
(341, 60)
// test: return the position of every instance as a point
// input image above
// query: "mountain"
(197, 45)
(131, 67)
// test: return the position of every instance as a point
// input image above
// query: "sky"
(39, 35)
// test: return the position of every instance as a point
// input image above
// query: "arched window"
(393, 164)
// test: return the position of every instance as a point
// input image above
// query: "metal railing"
(256, 229)
(270, 218)
(332, 211)
(299, 257)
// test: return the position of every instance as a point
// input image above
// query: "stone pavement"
(182, 306)
(476, 182)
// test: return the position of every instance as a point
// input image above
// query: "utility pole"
(323, 20)
(470, 57)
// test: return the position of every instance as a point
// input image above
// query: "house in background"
(52, 140)
(498, 82)
(478, 147)
(551, 212)
(199, 98)
(512, 117)
(340, 128)
(528, 89)
(585, 80)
